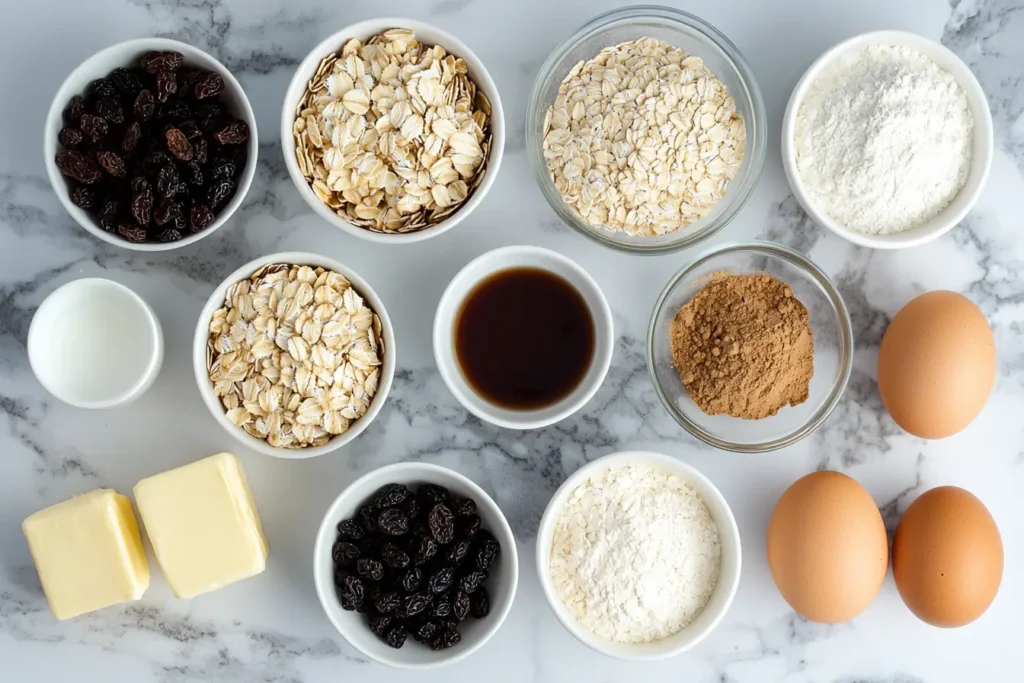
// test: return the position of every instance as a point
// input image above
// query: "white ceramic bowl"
(501, 585)
(127, 54)
(983, 141)
(216, 301)
(427, 34)
(728, 578)
(94, 343)
(451, 303)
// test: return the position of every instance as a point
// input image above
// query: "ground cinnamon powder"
(743, 347)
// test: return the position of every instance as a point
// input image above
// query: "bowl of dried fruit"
(150, 144)
(294, 355)
(392, 130)
(415, 565)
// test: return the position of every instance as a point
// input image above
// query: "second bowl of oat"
(294, 354)
(392, 130)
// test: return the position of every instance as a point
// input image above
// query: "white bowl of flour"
(638, 555)
(887, 140)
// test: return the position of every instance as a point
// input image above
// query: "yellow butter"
(203, 524)
(88, 553)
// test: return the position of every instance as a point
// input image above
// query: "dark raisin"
(186, 80)
(390, 496)
(178, 144)
(165, 211)
(223, 169)
(144, 106)
(485, 551)
(411, 580)
(370, 569)
(78, 166)
(412, 507)
(460, 605)
(131, 137)
(457, 552)
(394, 557)
(74, 110)
(191, 130)
(352, 592)
(423, 631)
(413, 605)
(131, 232)
(350, 530)
(83, 197)
(179, 221)
(155, 62)
(380, 624)
(169, 235)
(212, 110)
(112, 163)
(432, 494)
(471, 581)
(199, 218)
(101, 87)
(94, 126)
(155, 162)
(442, 523)
(480, 603)
(208, 85)
(442, 606)
(235, 133)
(345, 553)
(387, 602)
(166, 85)
(200, 149)
(441, 580)
(469, 526)
(423, 550)
(109, 109)
(142, 205)
(70, 137)
(463, 507)
(108, 216)
(124, 81)
(167, 181)
(392, 522)
(395, 637)
(445, 639)
(175, 111)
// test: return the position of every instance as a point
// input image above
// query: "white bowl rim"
(688, 473)
(980, 166)
(215, 301)
(363, 29)
(66, 91)
(325, 539)
(447, 363)
(141, 385)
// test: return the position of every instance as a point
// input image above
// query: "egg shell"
(947, 557)
(827, 547)
(936, 364)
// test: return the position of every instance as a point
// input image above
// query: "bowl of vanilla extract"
(523, 337)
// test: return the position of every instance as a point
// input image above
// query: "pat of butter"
(88, 553)
(203, 524)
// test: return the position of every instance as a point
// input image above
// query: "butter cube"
(88, 553)
(203, 524)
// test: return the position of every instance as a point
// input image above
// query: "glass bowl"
(680, 30)
(833, 347)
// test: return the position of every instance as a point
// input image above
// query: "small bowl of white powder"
(638, 555)
(887, 140)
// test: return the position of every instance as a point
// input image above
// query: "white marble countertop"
(271, 629)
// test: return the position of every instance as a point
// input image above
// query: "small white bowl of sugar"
(94, 343)
(887, 140)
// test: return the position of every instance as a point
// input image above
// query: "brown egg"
(827, 548)
(937, 364)
(947, 557)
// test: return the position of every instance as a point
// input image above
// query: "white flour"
(883, 139)
(635, 554)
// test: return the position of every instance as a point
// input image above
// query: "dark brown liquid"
(524, 338)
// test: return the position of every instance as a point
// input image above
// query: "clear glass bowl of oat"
(695, 37)
(830, 327)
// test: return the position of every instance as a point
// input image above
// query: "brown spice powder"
(743, 347)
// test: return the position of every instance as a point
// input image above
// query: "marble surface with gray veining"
(270, 629)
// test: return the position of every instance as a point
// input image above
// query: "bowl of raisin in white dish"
(415, 565)
(150, 144)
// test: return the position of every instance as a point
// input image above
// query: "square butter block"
(88, 553)
(203, 524)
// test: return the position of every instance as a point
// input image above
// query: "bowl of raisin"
(415, 565)
(150, 144)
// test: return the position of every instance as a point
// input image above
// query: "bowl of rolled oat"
(646, 130)
(392, 130)
(294, 354)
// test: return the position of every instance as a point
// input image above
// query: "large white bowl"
(427, 34)
(127, 54)
(463, 284)
(983, 141)
(216, 300)
(729, 573)
(501, 585)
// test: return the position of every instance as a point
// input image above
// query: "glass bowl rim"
(846, 346)
(757, 143)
